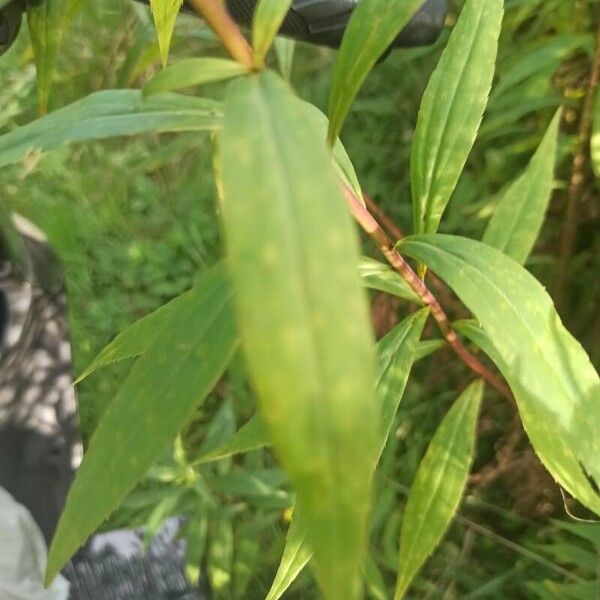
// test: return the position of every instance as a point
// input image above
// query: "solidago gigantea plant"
(290, 294)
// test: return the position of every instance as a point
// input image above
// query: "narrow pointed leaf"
(379, 276)
(165, 13)
(373, 27)
(438, 486)
(193, 71)
(452, 109)
(251, 436)
(46, 21)
(518, 218)
(396, 355)
(267, 19)
(139, 336)
(110, 114)
(303, 317)
(160, 394)
(556, 387)
(296, 555)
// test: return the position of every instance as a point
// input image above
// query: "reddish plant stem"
(216, 15)
(386, 246)
(576, 184)
(392, 229)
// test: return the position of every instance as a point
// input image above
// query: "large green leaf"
(556, 387)
(374, 25)
(267, 19)
(110, 114)
(303, 317)
(595, 141)
(162, 391)
(438, 486)
(46, 21)
(517, 220)
(396, 353)
(193, 71)
(452, 109)
(296, 556)
(165, 13)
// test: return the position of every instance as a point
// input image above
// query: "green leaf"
(46, 21)
(373, 27)
(164, 387)
(251, 436)
(303, 316)
(267, 19)
(438, 486)
(193, 71)
(285, 50)
(518, 218)
(135, 339)
(296, 556)
(396, 355)
(110, 114)
(452, 109)
(595, 141)
(379, 276)
(556, 387)
(165, 13)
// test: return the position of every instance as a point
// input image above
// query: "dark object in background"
(321, 22)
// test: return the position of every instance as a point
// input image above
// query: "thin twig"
(216, 15)
(386, 246)
(575, 190)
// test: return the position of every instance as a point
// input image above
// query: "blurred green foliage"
(135, 220)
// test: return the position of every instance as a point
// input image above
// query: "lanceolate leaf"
(374, 25)
(396, 353)
(156, 400)
(193, 71)
(268, 17)
(139, 336)
(452, 109)
(165, 13)
(518, 218)
(556, 387)
(251, 436)
(303, 317)
(296, 555)
(438, 486)
(595, 144)
(379, 276)
(46, 21)
(110, 114)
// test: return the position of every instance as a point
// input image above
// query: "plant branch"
(386, 246)
(216, 15)
(576, 184)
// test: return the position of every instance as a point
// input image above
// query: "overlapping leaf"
(438, 486)
(162, 390)
(379, 276)
(517, 220)
(452, 109)
(556, 387)
(267, 19)
(110, 114)
(193, 71)
(374, 25)
(303, 317)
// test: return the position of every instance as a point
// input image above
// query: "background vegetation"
(135, 221)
